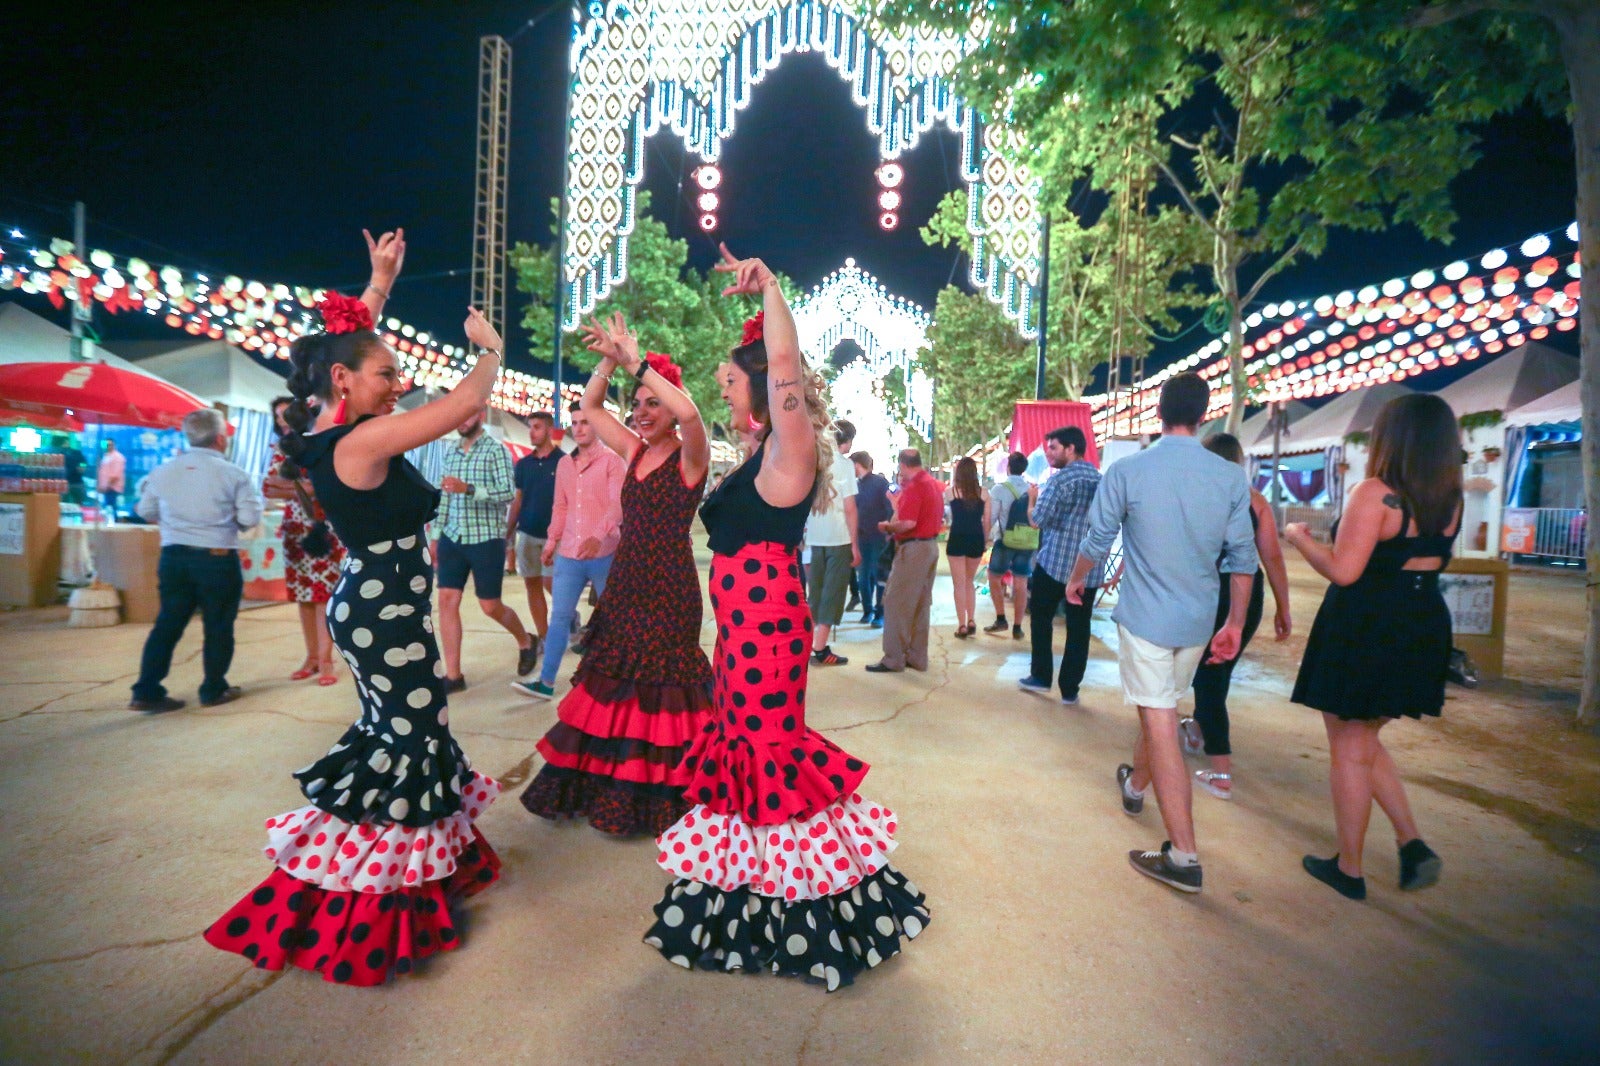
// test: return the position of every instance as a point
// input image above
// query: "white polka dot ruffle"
(323, 850)
(828, 853)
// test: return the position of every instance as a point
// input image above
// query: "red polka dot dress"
(781, 865)
(364, 873)
(643, 690)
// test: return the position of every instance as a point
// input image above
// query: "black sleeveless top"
(735, 514)
(1391, 556)
(399, 507)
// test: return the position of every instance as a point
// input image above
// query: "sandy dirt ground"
(126, 835)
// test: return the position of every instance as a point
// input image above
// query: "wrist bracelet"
(496, 352)
(644, 368)
(377, 290)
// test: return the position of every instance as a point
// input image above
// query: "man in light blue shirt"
(201, 502)
(1180, 509)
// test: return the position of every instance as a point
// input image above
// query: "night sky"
(259, 139)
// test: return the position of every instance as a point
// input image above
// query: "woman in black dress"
(969, 517)
(365, 872)
(1380, 646)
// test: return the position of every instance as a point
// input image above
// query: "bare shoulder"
(1374, 493)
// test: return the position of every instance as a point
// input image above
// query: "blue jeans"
(867, 579)
(571, 575)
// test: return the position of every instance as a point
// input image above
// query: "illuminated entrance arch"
(852, 305)
(692, 64)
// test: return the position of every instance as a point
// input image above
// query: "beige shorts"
(528, 552)
(1153, 676)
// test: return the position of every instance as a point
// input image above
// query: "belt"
(196, 548)
(919, 540)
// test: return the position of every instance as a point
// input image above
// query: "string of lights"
(1382, 333)
(259, 317)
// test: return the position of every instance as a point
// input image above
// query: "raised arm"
(360, 459)
(612, 433)
(790, 469)
(696, 458)
(388, 254)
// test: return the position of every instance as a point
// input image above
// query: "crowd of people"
(778, 863)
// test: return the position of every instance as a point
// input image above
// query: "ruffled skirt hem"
(620, 808)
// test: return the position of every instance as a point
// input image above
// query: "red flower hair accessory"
(753, 328)
(344, 314)
(663, 365)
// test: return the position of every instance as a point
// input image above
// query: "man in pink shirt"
(111, 478)
(585, 525)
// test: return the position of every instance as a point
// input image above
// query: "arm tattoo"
(1391, 500)
(792, 403)
(791, 383)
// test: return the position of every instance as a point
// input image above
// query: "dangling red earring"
(338, 412)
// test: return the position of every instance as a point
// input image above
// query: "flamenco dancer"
(781, 865)
(643, 691)
(364, 873)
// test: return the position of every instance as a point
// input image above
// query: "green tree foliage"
(980, 368)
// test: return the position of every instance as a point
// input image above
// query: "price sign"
(1470, 598)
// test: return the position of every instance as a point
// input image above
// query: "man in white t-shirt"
(831, 536)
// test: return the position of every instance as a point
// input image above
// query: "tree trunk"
(1579, 30)
(1236, 376)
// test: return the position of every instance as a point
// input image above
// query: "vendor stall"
(1545, 518)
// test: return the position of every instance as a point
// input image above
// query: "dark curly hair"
(313, 358)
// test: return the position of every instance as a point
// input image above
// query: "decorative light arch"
(851, 304)
(691, 64)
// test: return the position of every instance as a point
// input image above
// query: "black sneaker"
(164, 704)
(1159, 866)
(825, 656)
(1131, 806)
(1419, 866)
(1016, 632)
(1327, 871)
(528, 658)
(997, 626)
(454, 684)
(227, 695)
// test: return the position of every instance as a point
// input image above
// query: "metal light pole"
(1044, 310)
(559, 300)
(1279, 412)
(82, 309)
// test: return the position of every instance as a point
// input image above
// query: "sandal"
(1211, 780)
(303, 673)
(327, 676)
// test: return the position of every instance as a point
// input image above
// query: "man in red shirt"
(919, 514)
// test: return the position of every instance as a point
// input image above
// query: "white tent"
(1354, 412)
(213, 370)
(29, 338)
(1563, 405)
(1515, 379)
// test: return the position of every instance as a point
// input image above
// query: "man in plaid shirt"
(1062, 515)
(471, 526)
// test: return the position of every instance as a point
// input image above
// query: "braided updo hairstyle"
(751, 357)
(313, 357)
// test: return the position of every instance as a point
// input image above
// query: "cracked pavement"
(128, 834)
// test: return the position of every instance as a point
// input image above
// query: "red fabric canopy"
(122, 397)
(1033, 419)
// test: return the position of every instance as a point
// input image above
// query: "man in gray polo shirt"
(202, 503)
(1179, 508)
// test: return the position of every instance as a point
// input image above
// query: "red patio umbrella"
(105, 393)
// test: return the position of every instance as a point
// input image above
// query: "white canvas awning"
(1518, 377)
(1563, 405)
(29, 338)
(1354, 412)
(213, 370)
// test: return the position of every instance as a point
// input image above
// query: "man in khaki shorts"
(1179, 508)
(535, 478)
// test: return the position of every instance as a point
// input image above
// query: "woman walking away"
(781, 865)
(365, 873)
(1208, 729)
(969, 517)
(312, 557)
(1380, 646)
(643, 690)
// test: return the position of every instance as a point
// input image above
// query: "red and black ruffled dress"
(365, 872)
(781, 865)
(643, 690)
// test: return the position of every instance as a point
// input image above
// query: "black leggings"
(1211, 681)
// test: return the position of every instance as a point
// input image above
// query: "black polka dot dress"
(781, 865)
(364, 873)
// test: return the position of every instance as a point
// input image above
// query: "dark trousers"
(193, 578)
(1046, 596)
(1211, 680)
(867, 586)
